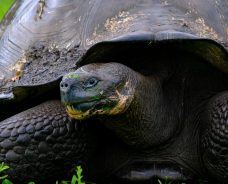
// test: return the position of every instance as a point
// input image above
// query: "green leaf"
(3, 167)
(64, 182)
(6, 181)
(74, 179)
(3, 177)
(5, 5)
(31, 182)
(79, 175)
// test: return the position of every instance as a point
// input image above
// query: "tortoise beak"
(73, 94)
(65, 90)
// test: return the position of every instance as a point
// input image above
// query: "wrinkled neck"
(148, 121)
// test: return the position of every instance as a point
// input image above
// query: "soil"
(44, 64)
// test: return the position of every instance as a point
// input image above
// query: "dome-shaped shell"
(100, 26)
(55, 25)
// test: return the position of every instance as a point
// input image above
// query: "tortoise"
(161, 92)
(145, 38)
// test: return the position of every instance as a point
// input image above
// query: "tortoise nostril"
(64, 85)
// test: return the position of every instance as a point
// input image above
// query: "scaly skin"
(163, 120)
(215, 136)
(42, 145)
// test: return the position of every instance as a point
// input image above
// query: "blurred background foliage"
(4, 7)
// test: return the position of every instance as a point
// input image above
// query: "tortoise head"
(97, 89)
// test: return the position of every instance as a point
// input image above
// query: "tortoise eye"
(91, 82)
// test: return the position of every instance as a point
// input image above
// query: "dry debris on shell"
(42, 64)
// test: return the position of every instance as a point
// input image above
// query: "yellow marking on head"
(123, 103)
(77, 114)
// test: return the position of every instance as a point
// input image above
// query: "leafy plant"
(3, 168)
(76, 178)
(165, 181)
(79, 175)
(6, 181)
(4, 7)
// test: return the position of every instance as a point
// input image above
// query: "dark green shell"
(196, 26)
(86, 23)
(102, 27)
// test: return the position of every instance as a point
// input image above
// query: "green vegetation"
(4, 7)
(3, 177)
(165, 181)
(76, 178)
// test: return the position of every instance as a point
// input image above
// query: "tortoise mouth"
(83, 105)
(84, 109)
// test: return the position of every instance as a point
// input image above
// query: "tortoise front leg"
(41, 144)
(215, 137)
